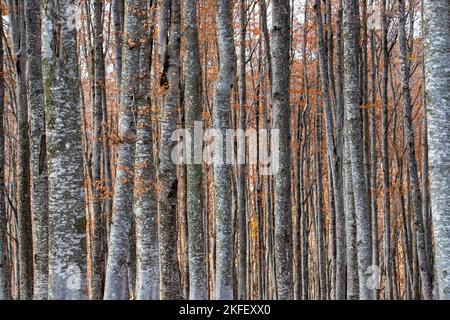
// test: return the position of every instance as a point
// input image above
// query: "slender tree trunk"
(385, 155)
(242, 169)
(416, 198)
(350, 220)
(222, 178)
(167, 228)
(97, 263)
(18, 37)
(118, 9)
(67, 219)
(5, 278)
(194, 199)
(354, 126)
(116, 282)
(425, 180)
(302, 267)
(437, 86)
(373, 157)
(320, 243)
(144, 202)
(281, 122)
(39, 183)
(265, 31)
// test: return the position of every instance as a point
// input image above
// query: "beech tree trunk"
(67, 218)
(144, 202)
(116, 281)
(194, 177)
(353, 121)
(5, 279)
(437, 90)
(282, 180)
(39, 174)
(242, 168)
(167, 180)
(222, 178)
(416, 197)
(16, 15)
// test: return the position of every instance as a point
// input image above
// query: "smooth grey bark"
(97, 256)
(131, 258)
(373, 155)
(169, 81)
(337, 220)
(330, 50)
(116, 282)
(242, 168)
(302, 267)
(182, 213)
(350, 221)
(425, 182)
(16, 15)
(364, 88)
(352, 283)
(339, 88)
(265, 32)
(144, 202)
(39, 174)
(279, 47)
(222, 178)
(416, 197)
(5, 279)
(385, 155)
(319, 212)
(194, 199)
(163, 26)
(437, 88)
(353, 121)
(67, 219)
(425, 191)
(118, 8)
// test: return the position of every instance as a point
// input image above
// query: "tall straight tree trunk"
(437, 88)
(39, 182)
(330, 49)
(265, 32)
(339, 87)
(222, 178)
(167, 201)
(281, 122)
(350, 221)
(416, 198)
(194, 176)
(67, 219)
(373, 156)
(145, 198)
(144, 202)
(5, 278)
(425, 193)
(337, 222)
(385, 155)
(242, 168)
(425, 172)
(302, 268)
(17, 28)
(97, 263)
(320, 246)
(116, 282)
(117, 8)
(364, 87)
(354, 131)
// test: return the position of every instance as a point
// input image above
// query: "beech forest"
(225, 150)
